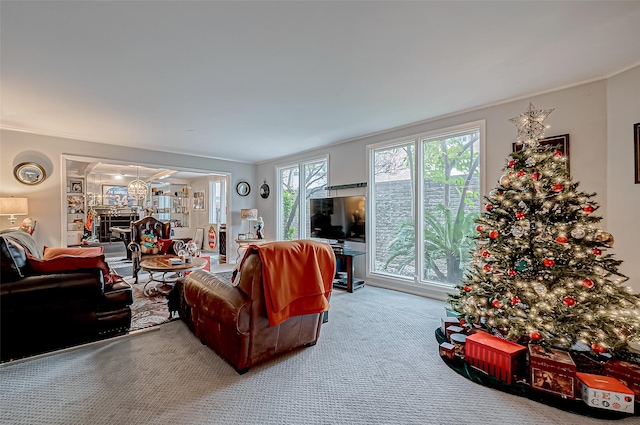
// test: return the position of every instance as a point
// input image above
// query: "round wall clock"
(243, 188)
(264, 190)
(29, 173)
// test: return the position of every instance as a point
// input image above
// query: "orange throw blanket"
(297, 277)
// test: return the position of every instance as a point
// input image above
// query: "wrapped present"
(459, 341)
(628, 373)
(552, 371)
(498, 357)
(605, 392)
(445, 322)
(453, 330)
(447, 350)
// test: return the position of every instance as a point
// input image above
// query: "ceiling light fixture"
(137, 188)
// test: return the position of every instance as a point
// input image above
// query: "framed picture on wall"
(75, 186)
(116, 195)
(560, 142)
(636, 133)
(198, 200)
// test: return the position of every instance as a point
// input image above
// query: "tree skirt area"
(524, 390)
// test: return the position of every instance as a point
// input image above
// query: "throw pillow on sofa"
(63, 263)
(164, 245)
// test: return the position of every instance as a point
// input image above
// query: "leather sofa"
(41, 312)
(233, 320)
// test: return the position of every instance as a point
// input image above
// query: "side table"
(350, 284)
(244, 244)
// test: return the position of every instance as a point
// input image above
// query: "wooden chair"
(146, 226)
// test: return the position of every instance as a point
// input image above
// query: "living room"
(597, 109)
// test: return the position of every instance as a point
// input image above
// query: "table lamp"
(250, 214)
(17, 206)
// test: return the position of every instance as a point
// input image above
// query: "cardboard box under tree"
(552, 371)
(605, 392)
(498, 357)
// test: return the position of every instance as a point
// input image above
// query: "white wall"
(45, 199)
(580, 111)
(623, 196)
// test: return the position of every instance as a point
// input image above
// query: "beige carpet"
(376, 363)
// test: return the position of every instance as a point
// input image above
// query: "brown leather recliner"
(233, 319)
(144, 226)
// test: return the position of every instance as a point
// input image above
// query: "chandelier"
(137, 189)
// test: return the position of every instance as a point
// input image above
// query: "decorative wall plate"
(243, 188)
(29, 173)
(264, 190)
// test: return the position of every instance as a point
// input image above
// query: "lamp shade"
(249, 214)
(14, 206)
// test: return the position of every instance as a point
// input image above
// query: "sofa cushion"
(164, 245)
(76, 252)
(63, 263)
(13, 260)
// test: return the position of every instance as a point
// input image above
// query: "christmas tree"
(541, 270)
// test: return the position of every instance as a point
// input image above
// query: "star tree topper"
(529, 124)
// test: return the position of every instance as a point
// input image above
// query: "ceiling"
(254, 81)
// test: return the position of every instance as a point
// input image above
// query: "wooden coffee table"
(162, 264)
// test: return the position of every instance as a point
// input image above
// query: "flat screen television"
(339, 217)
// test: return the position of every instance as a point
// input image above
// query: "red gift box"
(453, 330)
(445, 322)
(447, 350)
(605, 392)
(552, 371)
(628, 373)
(498, 357)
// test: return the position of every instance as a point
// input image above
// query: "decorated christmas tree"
(542, 271)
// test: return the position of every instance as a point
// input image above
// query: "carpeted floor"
(376, 363)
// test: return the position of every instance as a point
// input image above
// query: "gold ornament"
(604, 237)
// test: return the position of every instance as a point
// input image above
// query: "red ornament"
(521, 174)
(512, 272)
(489, 207)
(486, 254)
(557, 187)
(519, 215)
(479, 228)
(587, 283)
(534, 176)
(486, 267)
(494, 234)
(558, 152)
(467, 288)
(511, 164)
(598, 348)
(569, 301)
(597, 251)
(515, 300)
(535, 336)
(588, 209)
(548, 262)
(462, 321)
(561, 239)
(496, 303)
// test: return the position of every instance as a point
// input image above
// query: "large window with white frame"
(434, 176)
(297, 183)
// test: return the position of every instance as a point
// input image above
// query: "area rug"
(152, 311)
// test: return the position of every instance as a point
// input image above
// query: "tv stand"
(348, 283)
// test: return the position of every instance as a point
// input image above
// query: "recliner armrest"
(218, 300)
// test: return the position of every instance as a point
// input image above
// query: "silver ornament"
(530, 162)
(578, 233)
(517, 231)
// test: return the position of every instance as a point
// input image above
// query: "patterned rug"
(148, 311)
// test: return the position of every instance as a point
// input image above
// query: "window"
(436, 177)
(291, 191)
